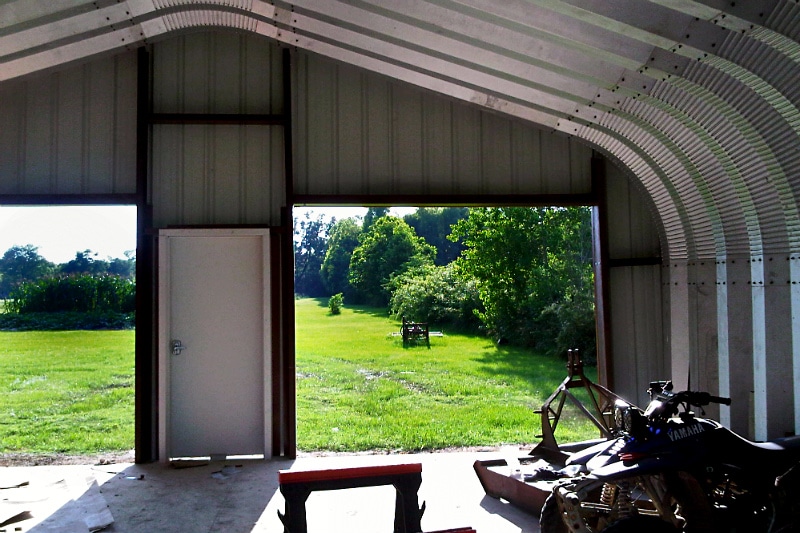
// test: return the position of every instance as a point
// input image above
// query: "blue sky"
(61, 231)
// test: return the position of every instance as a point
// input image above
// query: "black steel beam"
(216, 118)
(444, 200)
(146, 367)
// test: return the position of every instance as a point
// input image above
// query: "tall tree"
(388, 249)
(85, 262)
(373, 214)
(20, 264)
(344, 237)
(528, 262)
(124, 268)
(434, 224)
(311, 244)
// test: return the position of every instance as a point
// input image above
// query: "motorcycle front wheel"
(550, 520)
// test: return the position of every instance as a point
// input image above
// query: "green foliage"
(434, 224)
(344, 237)
(66, 321)
(373, 214)
(526, 261)
(69, 392)
(20, 264)
(389, 248)
(437, 295)
(84, 294)
(572, 323)
(310, 248)
(359, 389)
(123, 268)
(85, 262)
(335, 303)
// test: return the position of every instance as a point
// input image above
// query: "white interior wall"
(357, 132)
(71, 131)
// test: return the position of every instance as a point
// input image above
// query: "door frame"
(163, 330)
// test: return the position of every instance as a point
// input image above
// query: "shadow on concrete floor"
(243, 496)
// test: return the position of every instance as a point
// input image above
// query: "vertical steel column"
(289, 391)
(146, 368)
(602, 275)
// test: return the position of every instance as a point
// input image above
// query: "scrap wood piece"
(9, 516)
(94, 508)
(188, 463)
(13, 485)
(71, 505)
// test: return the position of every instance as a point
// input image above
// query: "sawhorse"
(297, 485)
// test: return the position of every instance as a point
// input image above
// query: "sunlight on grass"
(358, 388)
(68, 392)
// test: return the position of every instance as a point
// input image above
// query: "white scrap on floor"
(57, 500)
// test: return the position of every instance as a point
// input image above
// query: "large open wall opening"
(471, 374)
(67, 285)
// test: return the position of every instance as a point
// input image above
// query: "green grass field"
(68, 392)
(358, 389)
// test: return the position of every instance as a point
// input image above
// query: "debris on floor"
(188, 463)
(226, 471)
(51, 502)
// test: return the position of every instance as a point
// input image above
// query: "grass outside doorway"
(66, 392)
(359, 389)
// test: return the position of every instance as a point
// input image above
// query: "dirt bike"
(667, 470)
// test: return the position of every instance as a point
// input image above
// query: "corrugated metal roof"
(697, 99)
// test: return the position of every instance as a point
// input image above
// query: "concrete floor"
(243, 496)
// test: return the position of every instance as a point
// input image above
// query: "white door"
(214, 337)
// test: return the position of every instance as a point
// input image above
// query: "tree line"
(21, 264)
(522, 275)
(83, 293)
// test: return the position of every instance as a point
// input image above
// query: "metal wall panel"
(72, 131)
(637, 316)
(632, 229)
(704, 328)
(638, 334)
(217, 173)
(217, 72)
(357, 132)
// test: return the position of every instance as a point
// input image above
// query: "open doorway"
(67, 287)
(361, 387)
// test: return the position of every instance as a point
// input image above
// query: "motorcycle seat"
(786, 443)
(777, 453)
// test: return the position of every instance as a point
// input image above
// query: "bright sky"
(345, 212)
(61, 231)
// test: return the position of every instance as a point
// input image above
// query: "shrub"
(438, 296)
(571, 324)
(83, 294)
(66, 321)
(335, 303)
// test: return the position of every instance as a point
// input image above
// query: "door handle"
(177, 347)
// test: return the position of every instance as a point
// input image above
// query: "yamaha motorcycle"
(668, 470)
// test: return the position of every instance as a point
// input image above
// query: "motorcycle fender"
(623, 469)
(583, 456)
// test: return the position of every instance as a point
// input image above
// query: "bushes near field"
(71, 302)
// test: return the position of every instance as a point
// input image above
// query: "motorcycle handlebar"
(704, 398)
(719, 399)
